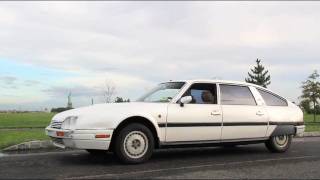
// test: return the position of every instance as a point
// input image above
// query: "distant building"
(69, 105)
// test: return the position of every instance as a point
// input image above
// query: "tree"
(109, 91)
(120, 100)
(259, 75)
(60, 109)
(305, 105)
(311, 91)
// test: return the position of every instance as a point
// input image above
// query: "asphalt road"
(252, 161)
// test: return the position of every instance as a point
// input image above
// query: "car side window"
(271, 99)
(236, 95)
(202, 93)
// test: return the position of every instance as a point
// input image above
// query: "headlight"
(69, 122)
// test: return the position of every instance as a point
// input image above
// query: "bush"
(60, 109)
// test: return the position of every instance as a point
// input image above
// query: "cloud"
(77, 91)
(31, 82)
(15, 82)
(138, 44)
(8, 80)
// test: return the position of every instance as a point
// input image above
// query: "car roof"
(190, 81)
(219, 81)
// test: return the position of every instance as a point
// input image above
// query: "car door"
(243, 118)
(199, 120)
(278, 110)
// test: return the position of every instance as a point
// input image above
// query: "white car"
(191, 112)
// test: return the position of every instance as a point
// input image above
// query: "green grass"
(12, 137)
(310, 124)
(309, 118)
(310, 128)
(25, 120)
(11, 124)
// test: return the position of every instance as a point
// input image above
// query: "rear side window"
(272, 99)
(236, 95)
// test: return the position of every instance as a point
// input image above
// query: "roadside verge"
(30, 145)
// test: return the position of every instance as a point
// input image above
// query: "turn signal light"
(60, 133)
(102, 135)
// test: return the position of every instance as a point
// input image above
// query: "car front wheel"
(279, 143)
(134, 144)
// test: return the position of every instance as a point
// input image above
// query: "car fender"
(148, 117)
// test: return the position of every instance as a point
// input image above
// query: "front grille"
(56, 125)
(57, 141)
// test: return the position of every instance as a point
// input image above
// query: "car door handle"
(259, 113)
(215, 113)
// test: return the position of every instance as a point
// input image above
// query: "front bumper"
(299, 130)
(80, 139)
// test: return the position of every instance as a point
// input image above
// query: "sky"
(48, 49)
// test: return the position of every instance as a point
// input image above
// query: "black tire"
(134, 144)
(96, 152)
(279, 144)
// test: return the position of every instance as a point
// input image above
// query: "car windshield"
(164, 92)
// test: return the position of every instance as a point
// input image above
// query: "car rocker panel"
(192, 112)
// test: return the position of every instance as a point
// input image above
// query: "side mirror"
(185, 100)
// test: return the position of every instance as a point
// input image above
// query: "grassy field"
(310, 125)
(12, 137)
(13, 127)
(25, 120)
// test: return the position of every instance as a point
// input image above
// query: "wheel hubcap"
(136, 144)
(281, 140)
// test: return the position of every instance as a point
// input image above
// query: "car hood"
(109, 115)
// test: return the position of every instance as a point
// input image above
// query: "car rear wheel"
(134, 144)
(279, 143)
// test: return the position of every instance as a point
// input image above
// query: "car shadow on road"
(182, 153)
(85, 158)
(168, 155)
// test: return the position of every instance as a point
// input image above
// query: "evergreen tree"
(259, 75)
(311, 91)
(120, 100)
